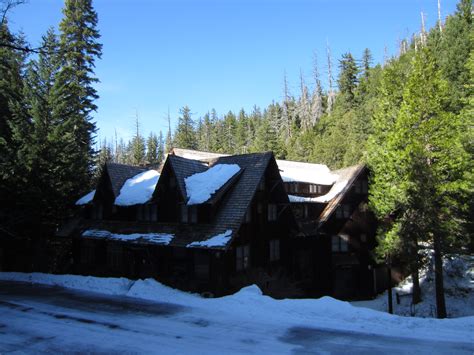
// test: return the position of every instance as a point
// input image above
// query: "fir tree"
(73, 95)
(185, 134)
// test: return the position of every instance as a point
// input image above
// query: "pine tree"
(348, 79)
(152, 146)
(73, 96)
(137, 146)
(185, 136)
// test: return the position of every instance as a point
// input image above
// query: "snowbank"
(138, 189)
(86, 198)
(200, 186)
(219, 240)
(250, 305)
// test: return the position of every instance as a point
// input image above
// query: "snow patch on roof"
(292, 171)
(156, 238)
(200, 186)
(138, 189)
(219, 240)
(84, 200)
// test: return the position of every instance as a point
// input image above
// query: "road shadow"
(88, 301)
(329, 341)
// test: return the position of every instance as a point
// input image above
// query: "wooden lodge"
(294, 229)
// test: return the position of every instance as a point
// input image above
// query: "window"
(305, 211)
(193, 215)
(340, 243)
(184, 214)
(97, 211)
(242, 257)
(274, 250)
(114, 256)
(201, 265)
(360, 187)
(248, 215)
(363, 238)
(314, 189)
(189, 214)
(272, 212)
(147, 212)
(343, 211)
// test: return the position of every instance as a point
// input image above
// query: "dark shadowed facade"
(292, 237)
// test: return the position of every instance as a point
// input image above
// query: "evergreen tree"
(185, 136)
(73, 96)
(137, 146)
(348, 79)
(152, 145)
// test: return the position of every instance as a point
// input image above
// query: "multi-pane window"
(272, 212)
(340, 243)
(242, 257)
(114, 256)
(274, 249)
(148, 212)
(189, 214)
(361, 187)
(343, 211)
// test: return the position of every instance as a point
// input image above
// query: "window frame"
(272, 212)
(242, 257)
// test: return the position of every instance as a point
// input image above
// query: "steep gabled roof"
(234, 201)
(346, 176)
(119, 173)
(183, 168)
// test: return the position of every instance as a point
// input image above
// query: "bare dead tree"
(440, 23)
(331, 93)
(423, 30)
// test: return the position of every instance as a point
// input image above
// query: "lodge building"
(213, 223)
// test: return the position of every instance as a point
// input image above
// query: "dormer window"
(315, 189)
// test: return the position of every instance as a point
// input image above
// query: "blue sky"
(224, 54)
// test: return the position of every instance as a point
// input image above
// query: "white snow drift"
(138, 189)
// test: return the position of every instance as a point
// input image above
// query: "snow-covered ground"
(459, 291)
(50, 319)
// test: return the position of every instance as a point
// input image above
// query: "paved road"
(41, 319)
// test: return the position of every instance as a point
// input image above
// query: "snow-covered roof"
(84, 200)
(200, 186)
(155, 238)
(333, 192)
(197, 154)
(219, 240)
(138, 189)
(292, 171)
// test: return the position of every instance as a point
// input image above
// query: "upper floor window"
(340, 243)
(315, 189)
(274, 249)
(148, 212)
(97, 211)
(188, 214)
(242, 257)
(361, 187)
(272, 212)
(343, 211)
